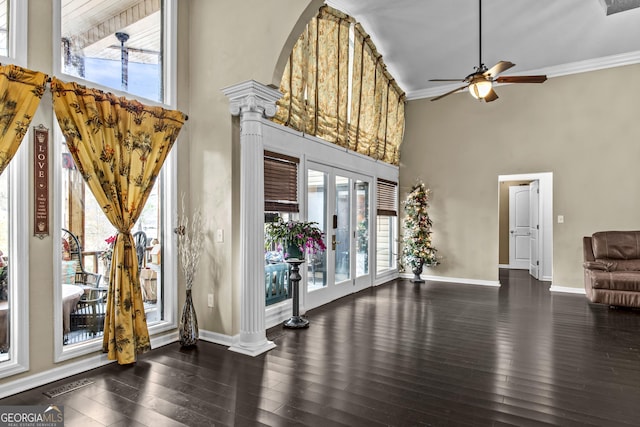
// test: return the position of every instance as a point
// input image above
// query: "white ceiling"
(426, 39)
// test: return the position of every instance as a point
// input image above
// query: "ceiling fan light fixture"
(480, 88)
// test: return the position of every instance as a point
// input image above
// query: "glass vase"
(188, 329)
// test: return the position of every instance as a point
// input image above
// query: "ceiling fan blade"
(491, 96)
(446, 80)
(449, 93)
(499, 68)
(521, 79)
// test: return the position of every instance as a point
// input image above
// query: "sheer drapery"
(315, 82)
(119, 147)
(20, 93)
(317, 87)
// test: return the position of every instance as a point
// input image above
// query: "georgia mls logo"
(32, 416)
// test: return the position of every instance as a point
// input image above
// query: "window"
(386, 225)
(127, 48)
(280, 200)
(14, 227)
(115, 44)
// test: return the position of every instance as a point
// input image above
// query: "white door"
(534, 228)
(340, 202)
(519, 239)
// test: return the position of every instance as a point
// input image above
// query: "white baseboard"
(277, 313)
(68, 369)
(463, 281)
(216, 338)
(567, 290)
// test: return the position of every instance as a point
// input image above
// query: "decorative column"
(252, 101)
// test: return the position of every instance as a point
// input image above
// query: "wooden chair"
(140, 238)
(72, 250)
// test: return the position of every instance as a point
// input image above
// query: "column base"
(253, 350)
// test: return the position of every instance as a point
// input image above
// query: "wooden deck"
(399, 354)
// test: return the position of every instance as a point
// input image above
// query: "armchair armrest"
(598, 265)
(88, 279)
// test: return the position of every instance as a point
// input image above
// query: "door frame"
(332, 290)
(546, 217)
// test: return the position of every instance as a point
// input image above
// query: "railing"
(276, 282)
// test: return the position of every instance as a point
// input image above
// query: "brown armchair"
(612, 268)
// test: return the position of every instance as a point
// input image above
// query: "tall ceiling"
(426, 39)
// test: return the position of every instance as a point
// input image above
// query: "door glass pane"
(117, 44)
(317, 212)
(362, 232)
(343, 231)
(4, 272)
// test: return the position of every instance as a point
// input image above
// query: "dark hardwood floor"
(399, 354)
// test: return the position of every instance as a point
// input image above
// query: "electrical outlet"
(220, 235)
(560, 219)
(210, 300)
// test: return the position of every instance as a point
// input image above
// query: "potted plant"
(417, 249)
(295, 238)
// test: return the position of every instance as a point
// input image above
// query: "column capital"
(251, 96)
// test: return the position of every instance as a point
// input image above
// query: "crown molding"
(577, 67)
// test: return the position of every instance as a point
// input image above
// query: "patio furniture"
(72, 251)
(71, 294)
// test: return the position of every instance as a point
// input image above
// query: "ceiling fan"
(480, 82)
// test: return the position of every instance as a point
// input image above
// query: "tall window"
(14, 227)
(123, 47)
(115, 44)
(280, 200)
(386, 225)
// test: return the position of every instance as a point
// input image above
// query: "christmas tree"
(417, 249)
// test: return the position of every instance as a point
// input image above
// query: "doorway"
(525, 223)
(339, 201)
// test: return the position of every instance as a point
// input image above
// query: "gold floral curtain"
(376, 127)
(20, 93)
(315, 82)
(315, 87)
(119, 147)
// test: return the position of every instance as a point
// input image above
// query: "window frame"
(168, 180)
(19, 271)
(18, 171)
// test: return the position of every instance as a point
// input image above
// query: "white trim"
(216, 338)
(169, 62)
(68, 369)
(275, 314)
(457, 280)
(545, 180)
(18, 38)
(567, 290)
(19, 253)
(555, 71)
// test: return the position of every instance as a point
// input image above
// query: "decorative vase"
(293, 251)
(417, 270)
(188, 329)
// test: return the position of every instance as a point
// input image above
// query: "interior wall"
(230, 42)
(503, 220)
(219, 44)
(583, 128)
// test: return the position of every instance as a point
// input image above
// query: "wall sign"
(41, 181)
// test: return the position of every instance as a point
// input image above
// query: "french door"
(339, 201)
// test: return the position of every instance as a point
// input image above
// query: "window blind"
(280, 182)
(387, 204)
